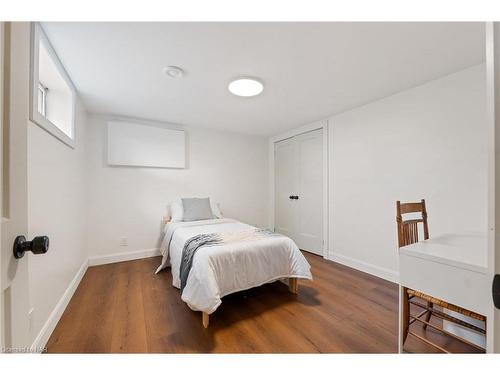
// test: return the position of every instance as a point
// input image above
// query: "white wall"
(428, 142)
(56, 208)
(129, 201)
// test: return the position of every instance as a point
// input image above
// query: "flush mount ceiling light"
(173, 71)
(246, 87)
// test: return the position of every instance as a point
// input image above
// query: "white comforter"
(224, 269)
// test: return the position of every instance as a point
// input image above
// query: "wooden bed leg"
(205, 319)
(293, 285)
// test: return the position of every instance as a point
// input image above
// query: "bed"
(243, 257)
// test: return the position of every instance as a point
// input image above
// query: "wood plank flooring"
(126, 308)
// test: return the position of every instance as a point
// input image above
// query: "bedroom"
(235, 187)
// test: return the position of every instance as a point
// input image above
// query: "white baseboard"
(383, 273)
(49, 326)
(122, 257)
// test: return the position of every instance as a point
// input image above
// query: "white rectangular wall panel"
(139, 145)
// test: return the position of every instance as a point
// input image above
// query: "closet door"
(299, 190)
(285, 187)
(309, 220)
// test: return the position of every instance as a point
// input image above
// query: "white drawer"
(461, 287)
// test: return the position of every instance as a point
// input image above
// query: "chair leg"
(428, 315)
(406, 315)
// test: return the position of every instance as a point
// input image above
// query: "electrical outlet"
(123, 241)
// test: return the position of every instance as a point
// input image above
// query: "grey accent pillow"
(196, 209)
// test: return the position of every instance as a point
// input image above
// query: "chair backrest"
(408, 229)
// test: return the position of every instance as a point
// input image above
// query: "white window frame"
(37, 36)
(42, 90)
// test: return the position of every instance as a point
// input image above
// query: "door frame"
(493, 118)
(323, 125)
(2, 315)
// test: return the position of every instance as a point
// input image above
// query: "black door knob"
(39, 245)
(291, 197)
(496, 291)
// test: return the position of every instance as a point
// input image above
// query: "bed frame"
(293, 286)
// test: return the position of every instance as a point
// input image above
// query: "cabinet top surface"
(468, 250)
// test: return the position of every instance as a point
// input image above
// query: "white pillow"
(215, 209)
(177, 212)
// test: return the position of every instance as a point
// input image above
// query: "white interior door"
(14, 136)
(309, 227)
(285, 187)
(299, 190)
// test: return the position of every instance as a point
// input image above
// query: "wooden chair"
(408, 234)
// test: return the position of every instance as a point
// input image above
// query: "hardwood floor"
(126, 308)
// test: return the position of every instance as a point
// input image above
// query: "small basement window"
(53, 94)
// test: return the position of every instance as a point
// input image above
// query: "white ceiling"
(310, 70)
